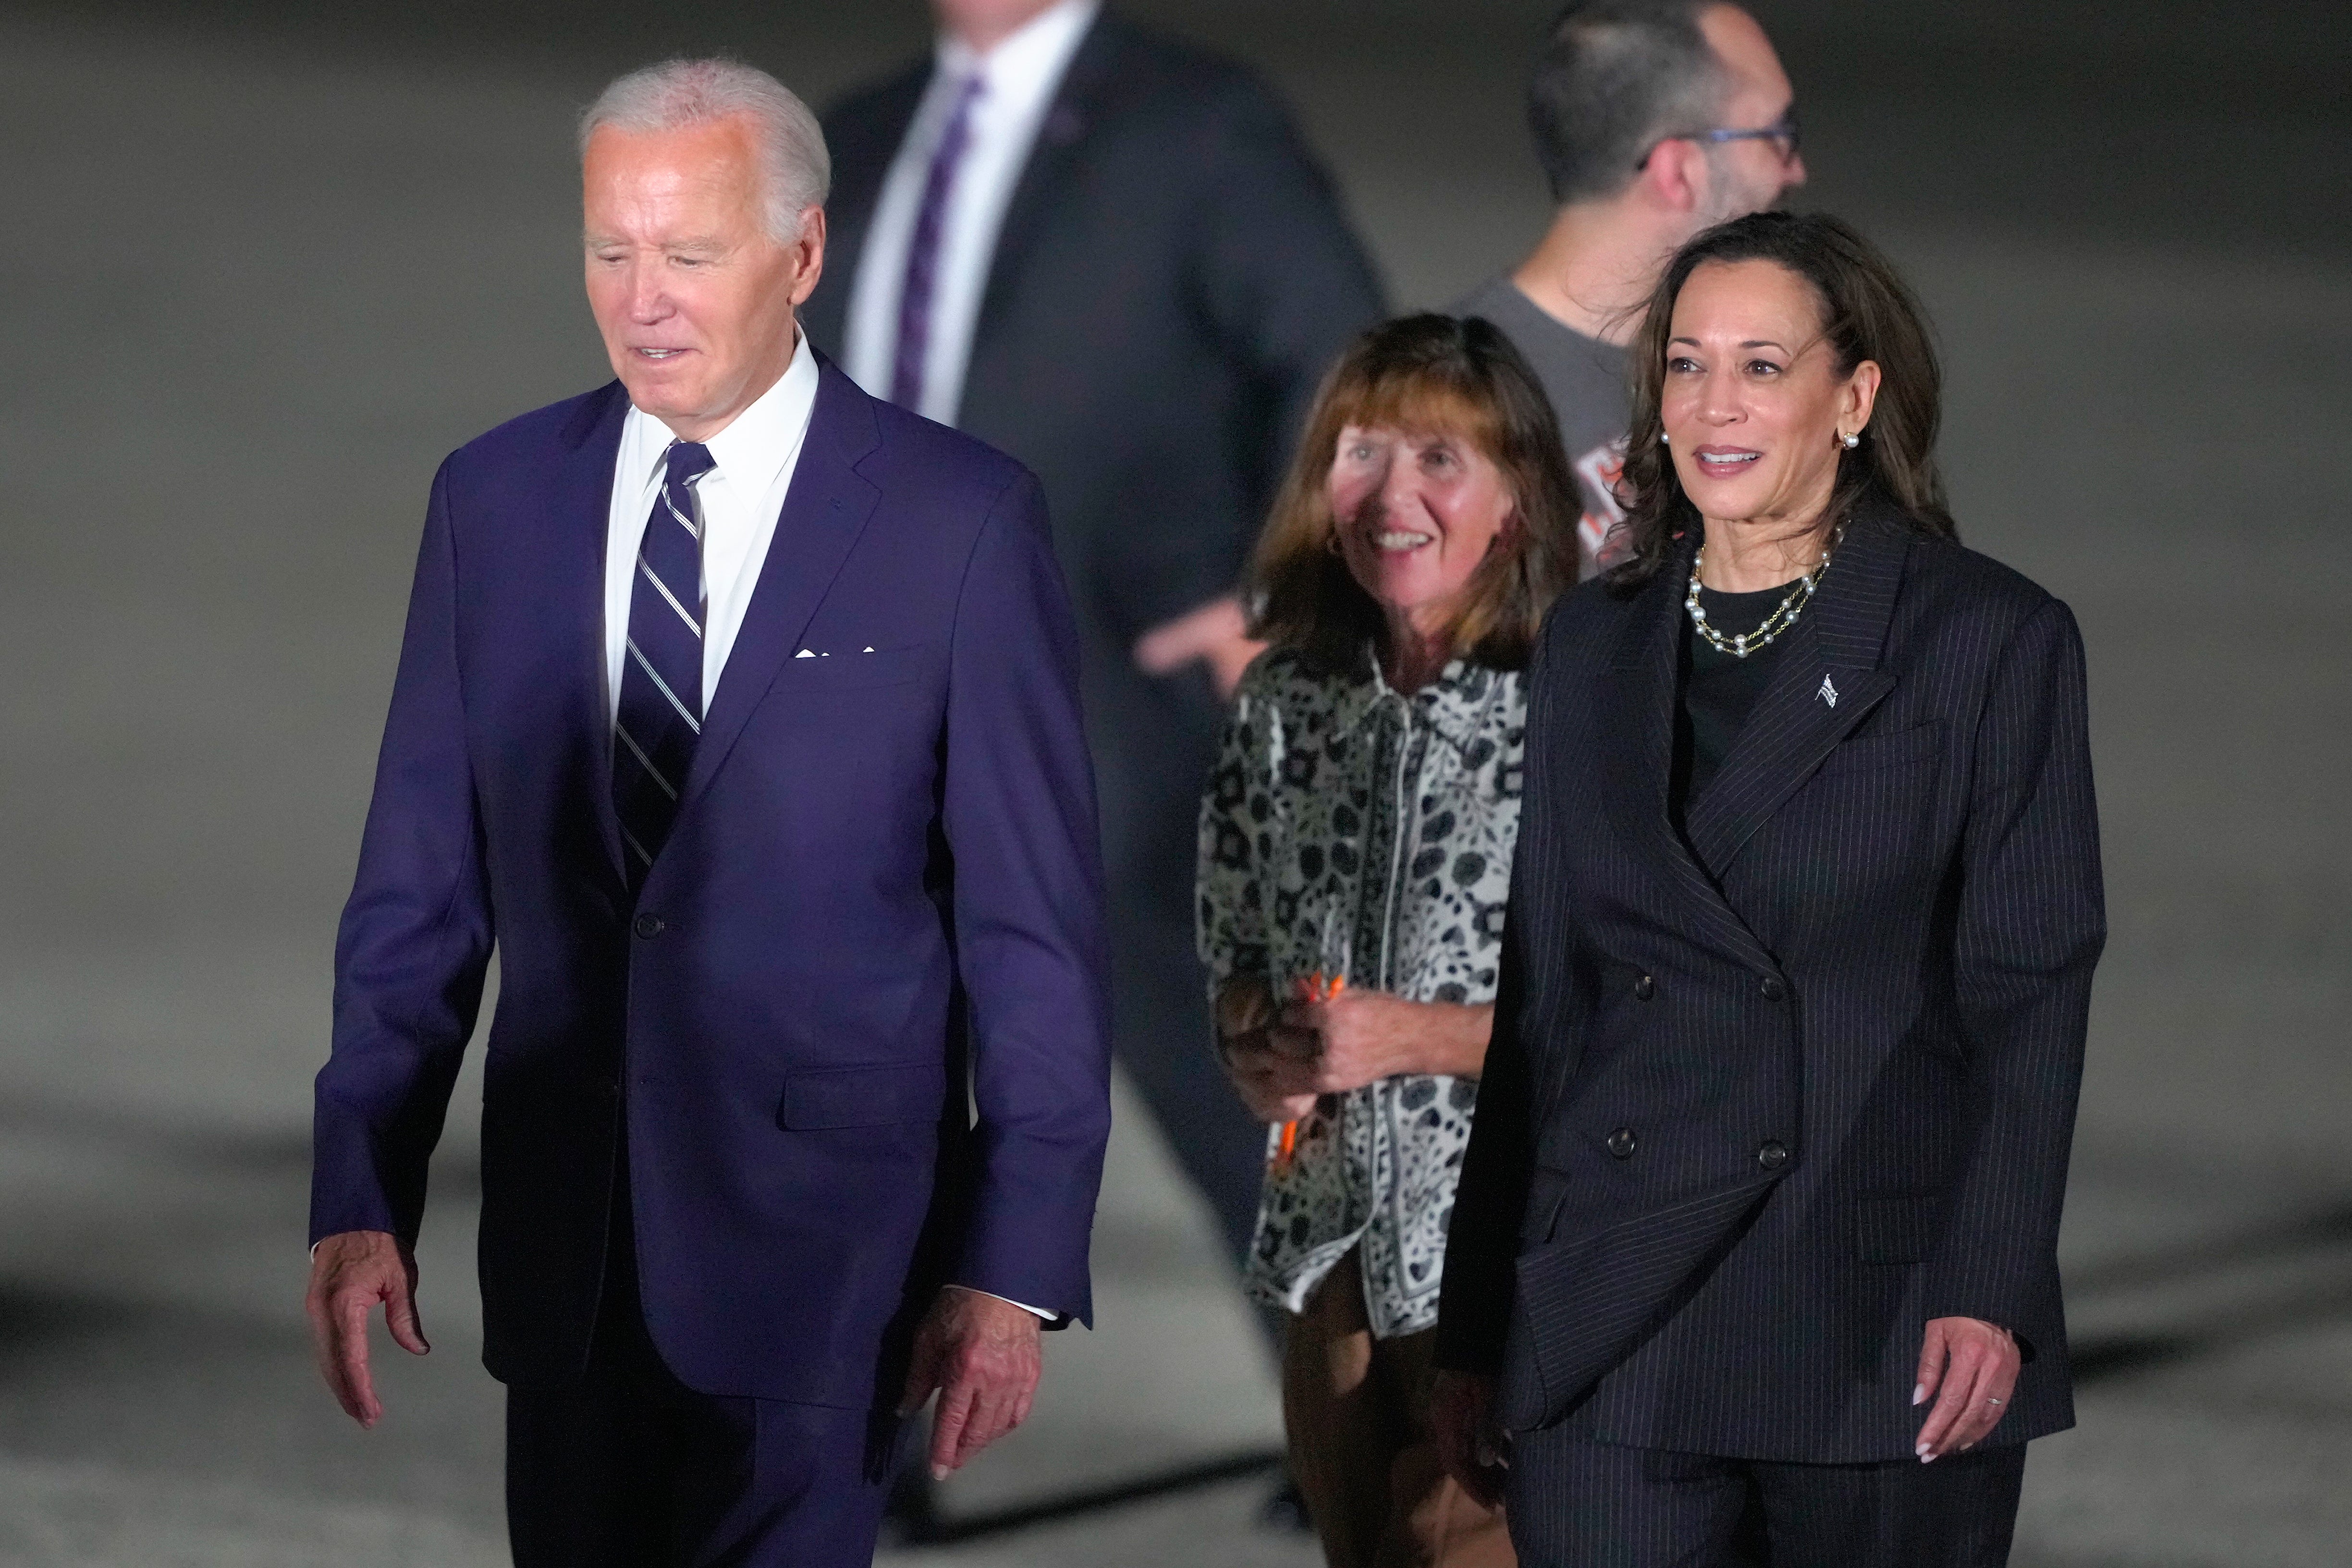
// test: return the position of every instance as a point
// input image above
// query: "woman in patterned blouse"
(1355, 855)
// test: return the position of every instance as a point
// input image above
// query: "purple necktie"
(661, 710)
(923, 251)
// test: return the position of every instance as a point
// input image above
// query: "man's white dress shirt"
(739, 500)
(1018, 78)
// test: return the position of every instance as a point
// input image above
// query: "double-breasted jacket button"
(648, 926)
(1772, 1155)
(1644, 988)
(1772, 988)
(1620, 1143)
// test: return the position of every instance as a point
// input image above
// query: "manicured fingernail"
(938, 1472)
(1919, 1394)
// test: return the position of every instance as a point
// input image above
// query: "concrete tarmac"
(265, 267)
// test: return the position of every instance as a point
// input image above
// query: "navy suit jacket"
(855, 1022)
(1768, 1094)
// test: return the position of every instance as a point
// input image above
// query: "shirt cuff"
(1033, 1311)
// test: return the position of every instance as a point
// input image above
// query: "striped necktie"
(923, 252)
(660, 714)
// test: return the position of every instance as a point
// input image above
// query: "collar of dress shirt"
(1456, 705)
(756, 443)
(1027, 63)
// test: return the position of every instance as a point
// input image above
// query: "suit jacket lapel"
(824, 511)
(1642, 680)
(582, 516)
(1051, 157)
(1829, 679)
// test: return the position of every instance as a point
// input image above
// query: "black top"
(1718, 690)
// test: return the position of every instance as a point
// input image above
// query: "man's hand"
(1217, 632)
(349, 1273)
(983, 1357)
(1974, 1363)
(1470, 1444)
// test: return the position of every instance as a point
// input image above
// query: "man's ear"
(1676, 177)
(811, 247)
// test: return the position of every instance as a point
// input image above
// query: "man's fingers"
(401, 1317)
(991, 1419)
(947, 1428)
(922, 1372)
(355, 1389)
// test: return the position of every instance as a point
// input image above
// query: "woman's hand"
(1974, 1364)
(1276, 1087)
(1361, 1036)
(1470, 1444)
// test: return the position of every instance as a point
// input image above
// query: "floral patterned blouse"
(1353, 830)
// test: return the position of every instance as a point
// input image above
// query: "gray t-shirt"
(1585, 379)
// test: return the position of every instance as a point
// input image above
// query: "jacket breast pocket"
(1892, 749)
(816, 1098)
(1898, 1230)
(858, 671)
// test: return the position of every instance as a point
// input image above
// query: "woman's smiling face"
(1754, 404)
(1415, 514)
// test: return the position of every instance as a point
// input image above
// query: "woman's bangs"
(1420, 404)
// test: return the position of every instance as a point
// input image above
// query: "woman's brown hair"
(1424, 373)
(1868, 312)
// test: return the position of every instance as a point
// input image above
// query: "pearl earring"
(1851, 441)
(1664, 439)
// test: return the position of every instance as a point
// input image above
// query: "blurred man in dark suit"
(1110, 255)
(1652, 119)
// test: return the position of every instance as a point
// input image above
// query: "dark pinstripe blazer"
(1767, 1096)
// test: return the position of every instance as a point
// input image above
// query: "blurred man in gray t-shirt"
(1653, 119)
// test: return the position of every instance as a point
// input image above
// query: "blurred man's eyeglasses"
(1782, 133)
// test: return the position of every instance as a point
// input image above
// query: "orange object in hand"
(1313, 988)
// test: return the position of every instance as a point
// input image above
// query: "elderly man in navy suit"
(738, 713)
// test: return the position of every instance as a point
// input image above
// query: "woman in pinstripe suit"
(1754, 1257)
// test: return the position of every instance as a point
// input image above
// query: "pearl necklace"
(1783, 617)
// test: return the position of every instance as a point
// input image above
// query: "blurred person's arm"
(1285, 286)
(410, 959)
(1218, 632)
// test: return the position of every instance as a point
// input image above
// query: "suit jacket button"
(648, 926)
(1645, 988)
(1773, 1155)
(1620, 1143)
(1772, 988)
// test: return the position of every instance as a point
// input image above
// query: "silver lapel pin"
(1829, 692)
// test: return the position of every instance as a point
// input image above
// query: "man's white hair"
(795, 169)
